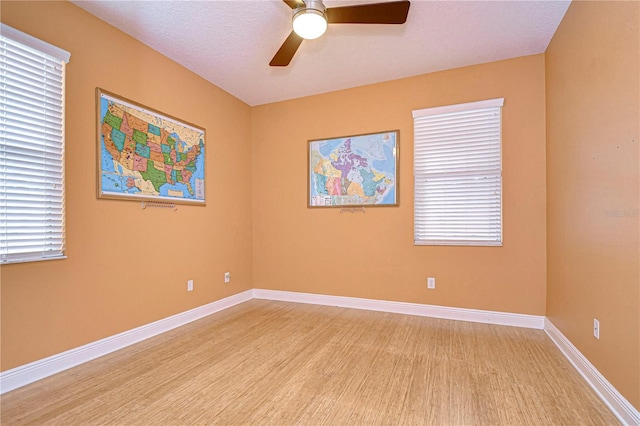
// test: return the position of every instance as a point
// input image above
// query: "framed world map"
(350, 171)
(144, 154)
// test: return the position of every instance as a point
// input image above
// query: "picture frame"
(146, 155)
(353, 171)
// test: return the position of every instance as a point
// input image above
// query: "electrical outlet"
(596, 328)
(190, 285)
(227, 277)
(431, 282)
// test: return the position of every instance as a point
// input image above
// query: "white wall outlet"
(431, 282)
(596, 328)
(227, 277)
(190, 285)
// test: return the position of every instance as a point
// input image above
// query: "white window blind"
(31, 148)
(458, 174)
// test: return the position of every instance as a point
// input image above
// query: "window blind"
(458, 174)
(31, 148)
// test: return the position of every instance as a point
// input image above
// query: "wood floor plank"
(276, 363)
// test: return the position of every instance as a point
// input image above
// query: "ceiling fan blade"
(394, 12)
(287, 50)
(294, 4)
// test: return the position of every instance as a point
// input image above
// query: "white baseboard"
(622, 408)
(445, 312)
(29, 373)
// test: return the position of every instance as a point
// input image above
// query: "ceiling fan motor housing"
(311, 5)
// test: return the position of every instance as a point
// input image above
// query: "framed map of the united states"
(144, 154)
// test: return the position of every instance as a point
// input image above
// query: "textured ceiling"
(230, 43)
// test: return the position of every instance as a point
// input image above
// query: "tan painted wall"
(593, 119)
(372, 255)
(126, 266)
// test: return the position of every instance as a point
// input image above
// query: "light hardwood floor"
(276, 363)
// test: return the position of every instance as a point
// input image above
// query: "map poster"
(353, 171)
(144, 154)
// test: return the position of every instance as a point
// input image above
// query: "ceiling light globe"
(309, 24)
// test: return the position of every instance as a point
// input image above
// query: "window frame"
(459, 223)
(32, 215)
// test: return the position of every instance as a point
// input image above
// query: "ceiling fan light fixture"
(310, 23)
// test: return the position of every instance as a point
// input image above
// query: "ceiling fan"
(310, 19)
